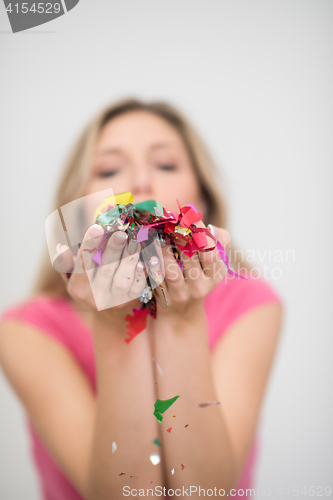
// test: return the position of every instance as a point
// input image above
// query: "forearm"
(124, 415)
(204, 448)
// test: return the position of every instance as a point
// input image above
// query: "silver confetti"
(204, 405)
(146, 295)
(155, 458)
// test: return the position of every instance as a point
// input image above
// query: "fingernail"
(154, 261)
(211, 229)
(120, 238)
(132, 247)
(140, 267)
(95, 231)
(59, 251)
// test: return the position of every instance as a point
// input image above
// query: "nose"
(141, 183)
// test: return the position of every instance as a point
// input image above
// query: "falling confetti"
(135, 477)
(161, 406)
(136, 323)
(156, 441)
(155, 458)
(169, 430)
(183, 466)
(159, 369)
(114, 446)
(122, 474)
(173, 471)
(186, 425)
(204, 405)
(175, 415)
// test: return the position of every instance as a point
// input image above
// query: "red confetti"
(200, 239)
(90, 251)
(183, 466)
(188, 216)
(122, 474)
(186, 425)
(169, 430)
(136, 323)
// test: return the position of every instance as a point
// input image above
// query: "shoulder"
(41, 329)
(34, 306)
(53, 316)
(235, 297)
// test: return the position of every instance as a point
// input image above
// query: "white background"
(256, 79)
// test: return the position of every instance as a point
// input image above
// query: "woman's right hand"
(115, 284)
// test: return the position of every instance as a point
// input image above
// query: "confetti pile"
(144, 223)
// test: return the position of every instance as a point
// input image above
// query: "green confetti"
(161, 406)
(156, 441)
(148, 206)
(110, 216)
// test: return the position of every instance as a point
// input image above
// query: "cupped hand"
(113, 286)
(186, 289)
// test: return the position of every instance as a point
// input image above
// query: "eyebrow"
(157, 145)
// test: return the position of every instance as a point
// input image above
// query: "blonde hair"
(77, 171)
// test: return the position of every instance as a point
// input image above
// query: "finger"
(211, 261)
(194, 275)
(153, 259)
(139, 281)
(91, 240)
(155, 271)
(124, 275)
(101, 280)
(175, 285)
(111, 258)
(114, 248)
(79, 284)
(173, 273)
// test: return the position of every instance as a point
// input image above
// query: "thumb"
(63, 261)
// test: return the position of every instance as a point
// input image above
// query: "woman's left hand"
(185, 289)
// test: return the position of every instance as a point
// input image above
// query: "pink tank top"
(56, 318)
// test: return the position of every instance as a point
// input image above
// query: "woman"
(90, 396)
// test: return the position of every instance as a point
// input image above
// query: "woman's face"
(140, 152)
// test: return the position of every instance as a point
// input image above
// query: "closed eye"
(108, 173)
(167, 167)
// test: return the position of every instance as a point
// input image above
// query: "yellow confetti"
(124, 198)
(118, 199)
(182, 230)
(175, 415)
